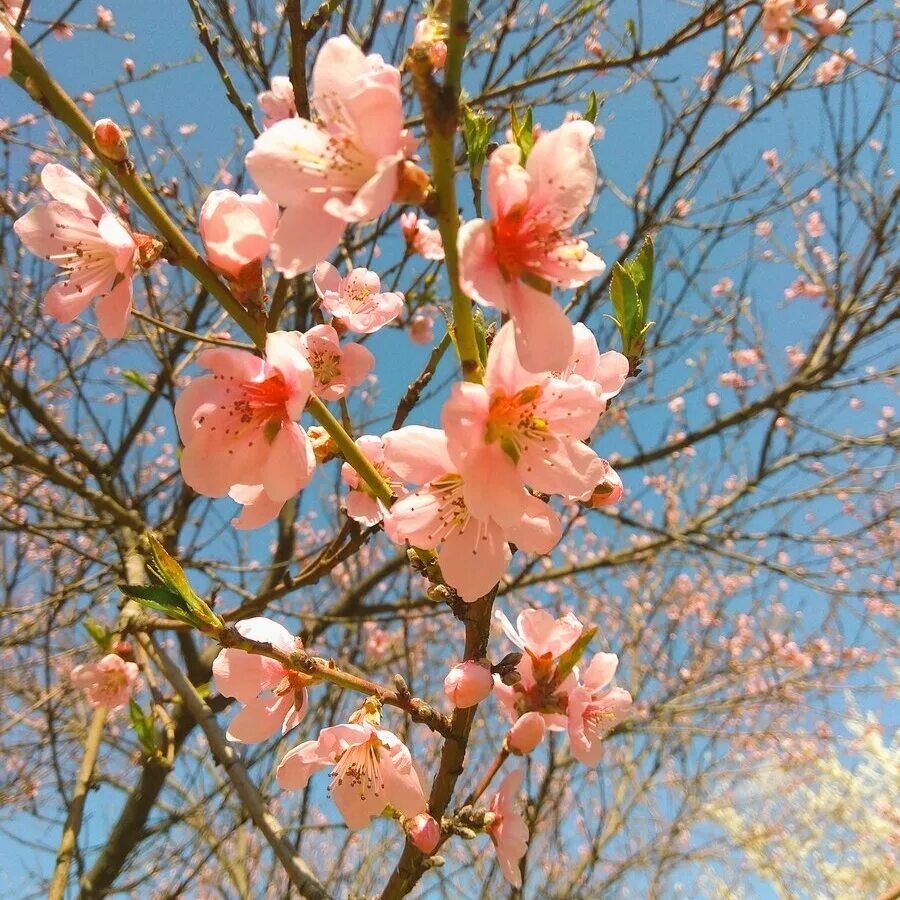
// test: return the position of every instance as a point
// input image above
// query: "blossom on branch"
(98, 253)
(511, 261)
(239, 424)
(336, 369)
(371, 769)
(356, 300)
(109, 682)
(472, 551)
(509, 831)
(521, 429)
(274, 698)
(343, 167)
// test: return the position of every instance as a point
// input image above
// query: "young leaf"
(137, 379)
(523, 131)
(590, 114)
(99, 634)
(143, 727)
(570, 658)
(172, 575)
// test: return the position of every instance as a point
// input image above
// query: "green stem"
(440, 109)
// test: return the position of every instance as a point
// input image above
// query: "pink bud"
(526, 734)
(424, 832)
(609, 491)
(110, 140)
(468, 683)
(128, 65)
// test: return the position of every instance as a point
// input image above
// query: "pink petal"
(479, 273)
(290, 464)
(305, 235)
(65, 186)
(417, 454)
(113, 310)
(538, 530)
(297, 765)
(563, 172)
(543, 332)
(600, 672)
(473, 560)
(259, 719)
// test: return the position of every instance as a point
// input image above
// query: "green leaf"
(159, 597)
(477, 128)
(590, 114)
(99, 634)
(480, 336)
(143, 727)
(138, 380)
(570, 658)
(523, 131)
(631, 290)
(172, 575)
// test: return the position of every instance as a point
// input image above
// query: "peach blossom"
(109, 682)
(344, 166)
(336, 369)
(372, 769)
(274, 698)
(508, 831)
(468, 683)
(361, 504)
(510, 261)
(236, 230)
(356, 300)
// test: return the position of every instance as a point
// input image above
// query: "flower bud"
(608, 492)
(468, 683)
(110, 140)
(323, 446)
(413, 184)
(424, 832)
(526, 733)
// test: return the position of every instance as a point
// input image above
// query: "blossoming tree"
(364, 533)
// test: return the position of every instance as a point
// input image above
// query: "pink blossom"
(828, 23)
(526, 734)
(278, 102)
(468, 683)
(595, 707)
(529, 237)
(372, 768)
(356, 299)
(544, 640)
(97, 252)
(770, 158)
(236, 230)
(344, 167)
(520, 428)
(109, 682)
(777, 21)
(815, 227)
(472, 552)
(428, 35)
(274, 698)
(420, 237)
(421, 329)
(361, 504)
(508, 831)
(239, 424)
(607, 372)
(336, 368)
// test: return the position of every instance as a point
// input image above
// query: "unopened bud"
(323, 446)
(468, 683)
(110, 140)
(608, 492)
(527, 732)
(413, 184)
(424, 833)
(125, 650)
